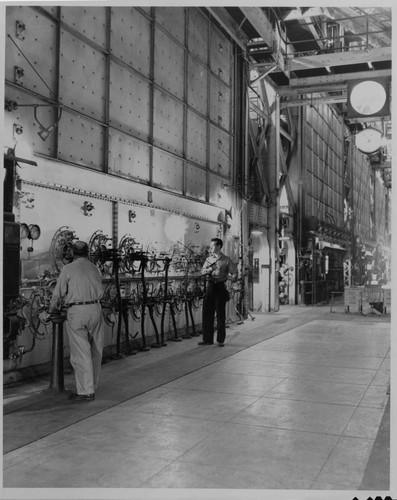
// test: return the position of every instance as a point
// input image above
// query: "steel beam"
(343, 77)
(315, 89)
(260, 22)
(227, 23)
(307, 101)
(338, 59)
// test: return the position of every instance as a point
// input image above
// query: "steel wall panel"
(198, 34)
(219, 103)
(38, 45)
(24, 116)
(168, 123)
(148, 10)
(173, 20)
(220, 54)
(81, 141)
(54, 209)
(129, 105)
(82, 84)
(128, 156)
(196, 147)
(169, 63)
(219, 151)
(167, 171)
(130, 38)
(51, 9)
(197, 85)
(196, 182)
(216, 191)
(89, 21)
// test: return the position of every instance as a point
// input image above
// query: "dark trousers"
(214, 302)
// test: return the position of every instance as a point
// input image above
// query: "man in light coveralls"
(79, 286)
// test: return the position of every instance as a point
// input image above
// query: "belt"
(83, 303)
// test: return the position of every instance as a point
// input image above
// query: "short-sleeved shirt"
(79, 281)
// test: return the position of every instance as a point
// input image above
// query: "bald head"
(80, 249)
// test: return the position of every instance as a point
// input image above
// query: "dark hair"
(218, 241)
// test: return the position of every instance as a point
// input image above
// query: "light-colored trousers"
(85, 327)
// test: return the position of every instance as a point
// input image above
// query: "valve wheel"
(126, 247)
(109, 304)
(36, 306)
(61, 248)
(98, 251)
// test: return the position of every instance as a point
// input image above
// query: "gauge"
(24, 231)
(34, 232)
(369, 140)
(368, 98)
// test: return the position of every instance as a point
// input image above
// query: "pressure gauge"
(24, 231)
(369, 140)
(368, 97)
(34, 232)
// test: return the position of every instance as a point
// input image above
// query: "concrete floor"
(296, 400)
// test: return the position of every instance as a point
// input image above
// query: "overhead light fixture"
(44, 132)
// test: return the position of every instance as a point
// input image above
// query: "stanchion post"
(57, 378)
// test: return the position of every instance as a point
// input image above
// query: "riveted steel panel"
(169, 64)
(82, 76)
(128, 156)
(147, 10)
(198, 27)
(196, 182)
(51, 9)
(81, 141)
(216, 192)
(197, 85)
(196, 147)
(38, 44)
(173, 20)
(90, 21)
(129, 103)
(130, 38)
(220, 103)
(220, 56)
(167, 122)
(220, 151)
(54, 209)
(24, 116)
(167, 171)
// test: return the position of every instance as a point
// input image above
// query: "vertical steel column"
(115, 229)
(107, 92)
(58, 73)
(300, 155)
(185, 102)
(276, 205)
(208, 128)
(151, 95)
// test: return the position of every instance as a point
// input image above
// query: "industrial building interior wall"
(324, 190)
(160, 114)
(142, 146)
(363, 197)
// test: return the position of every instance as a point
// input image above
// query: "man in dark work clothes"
(217, 269)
